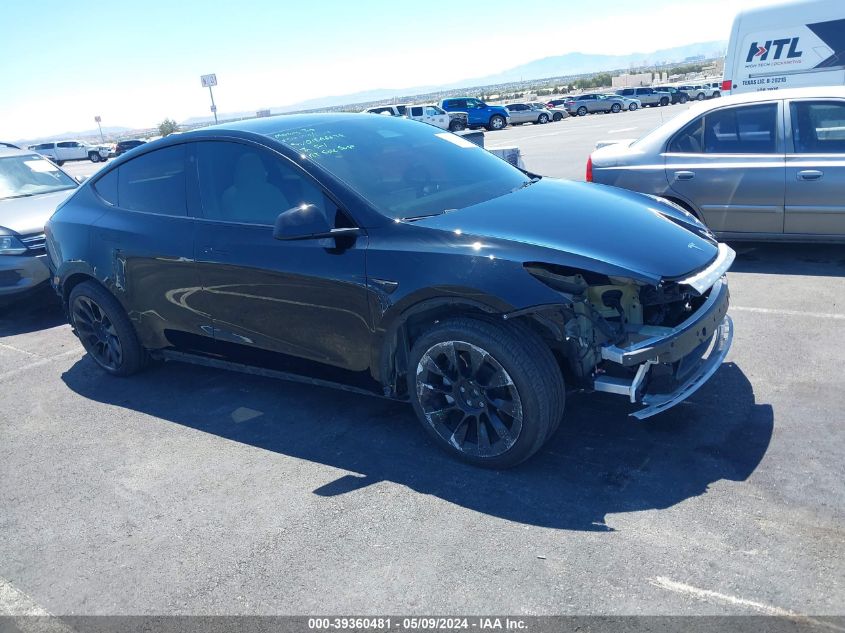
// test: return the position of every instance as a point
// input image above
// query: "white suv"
(71, 150)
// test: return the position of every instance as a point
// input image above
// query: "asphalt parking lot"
(187, 490)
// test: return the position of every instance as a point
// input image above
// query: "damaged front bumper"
(690, 352)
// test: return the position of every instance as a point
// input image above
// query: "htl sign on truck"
(787, 46)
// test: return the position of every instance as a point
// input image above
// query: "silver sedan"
(628, 103)
(523, 113)
(762, 165)
(30, 189)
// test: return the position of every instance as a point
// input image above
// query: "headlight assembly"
(10, 245)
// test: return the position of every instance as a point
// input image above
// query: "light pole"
(98, 119)
(207, 82)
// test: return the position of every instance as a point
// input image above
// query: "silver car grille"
(35, 243)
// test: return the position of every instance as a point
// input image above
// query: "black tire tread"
(134, 356)
(531, 357)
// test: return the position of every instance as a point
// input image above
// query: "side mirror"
(307, 222)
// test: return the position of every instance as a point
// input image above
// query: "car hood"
(589, 226)
(30, 214)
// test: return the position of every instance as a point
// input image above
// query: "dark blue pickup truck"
(479, 114)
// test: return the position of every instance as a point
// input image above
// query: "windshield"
(403, 168)
(30, 175)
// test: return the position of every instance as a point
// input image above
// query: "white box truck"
(787, 45)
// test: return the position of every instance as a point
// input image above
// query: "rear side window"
(245, 184)
(818, 127)
(416, 111)
(106, 187)
(154, 182)
(744, 130)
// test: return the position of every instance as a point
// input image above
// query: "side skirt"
(205, 361)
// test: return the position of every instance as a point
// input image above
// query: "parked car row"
(62, 151)
(426, 113)
(460, 113)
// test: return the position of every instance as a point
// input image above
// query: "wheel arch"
(72, 281)
(399, 336)
(686, 205)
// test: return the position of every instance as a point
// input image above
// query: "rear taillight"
(726, 84)
(589, 174)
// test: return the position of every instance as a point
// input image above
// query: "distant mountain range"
(566, 65)
(110, 131)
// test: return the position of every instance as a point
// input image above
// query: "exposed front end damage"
(653, 344)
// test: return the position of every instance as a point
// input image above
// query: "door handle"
(684, 175)
(810, 174)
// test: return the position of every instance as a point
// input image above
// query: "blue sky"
(134, 63)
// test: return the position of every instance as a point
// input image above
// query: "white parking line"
(29, 616)
(39, 363)
(715, 596)
(797, 313)
(19, 350)
(624, 129)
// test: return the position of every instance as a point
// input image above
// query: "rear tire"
(488, 394)
(664, 101)
(717, 94)
(700, 96)
(684, 99)
(582, 111)
(104, 330)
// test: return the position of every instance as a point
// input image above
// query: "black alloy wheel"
(104, 329)
(469, 399)
(489, 394)
(97, 333)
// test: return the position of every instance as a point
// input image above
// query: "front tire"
(94, 157)
(104, 330)
(684, 99)
(717, 94)
(664, 101)
(488, 394)
(616, 108)
(543, 119)
(632, 107)
(700, 96)
(497, 122)
(456, 126)
(557, 116)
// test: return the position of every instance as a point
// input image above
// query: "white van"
(787, 46)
